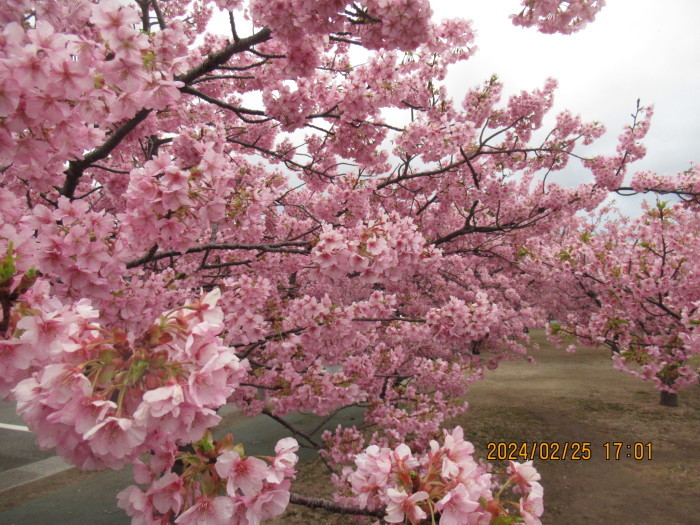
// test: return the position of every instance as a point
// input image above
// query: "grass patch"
(596, 405)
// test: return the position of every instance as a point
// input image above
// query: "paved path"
(16, 442)
(37, 488)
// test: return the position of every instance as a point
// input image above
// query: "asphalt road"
(16, 445)
(72, 498)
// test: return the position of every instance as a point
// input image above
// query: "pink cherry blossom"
(523, 474)
(455, 506)
(117, 437)
(402, 506)
(244, 474)
(216, 511)
(284, 460)
(531, 506)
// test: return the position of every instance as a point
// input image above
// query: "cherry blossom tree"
(633, 286)
(293, 217)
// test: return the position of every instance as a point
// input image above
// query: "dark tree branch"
(111, 170)
(299, 247)
(159, 14)
(331, 506)
(77, 167)
(665, 308)
(511, 226)
(145, 17)
(292, 428)
(225, 105)
(221, 57)
(236, 38)
(429, 173)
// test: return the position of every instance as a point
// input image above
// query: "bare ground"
(577, 398)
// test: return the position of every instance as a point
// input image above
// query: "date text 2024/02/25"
(575, 451)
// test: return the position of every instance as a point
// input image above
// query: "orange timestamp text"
(566, 450)
(575, 451)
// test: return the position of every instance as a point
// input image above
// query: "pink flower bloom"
(111, 15)
(207, 309)
(402, 505)
(268, 504)
(132, 500)
(117, 437)
(9, 95)
(455, 506)
(205, 511)
(532, 506)
(166, 493)
(163, 93)
(161, 401)
(203, 344)
(83, 413)
(127, 72)
(283, 463)
(244, 474)
(215, 381)
(458, 455)
(404, 458)
(523, 474)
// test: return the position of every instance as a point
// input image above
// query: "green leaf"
(239, 448)
(138, 369)
(7, 268)
(205, 444)
(522, 252)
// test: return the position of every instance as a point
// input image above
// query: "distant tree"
(635, 287)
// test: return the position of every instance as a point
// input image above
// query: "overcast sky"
(635, 49)
(644, 49)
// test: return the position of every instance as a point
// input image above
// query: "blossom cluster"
(639, 276)
(103, 398)
(445, 485)
(381, 249)
(214, 483)
(363, 240)
(54, 82)
(558, 16)
(461, 321)
(173, 201)
(685, 184)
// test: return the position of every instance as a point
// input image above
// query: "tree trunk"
(668, 399)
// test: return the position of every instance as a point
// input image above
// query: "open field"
(579, 398)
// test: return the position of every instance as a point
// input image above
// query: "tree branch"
(220, 57)
(77, 167)
(291, 428)
(159, 14)
(280, 247)
(225, 105)
(331, 506)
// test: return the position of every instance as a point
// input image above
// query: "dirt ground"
(577, 398)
